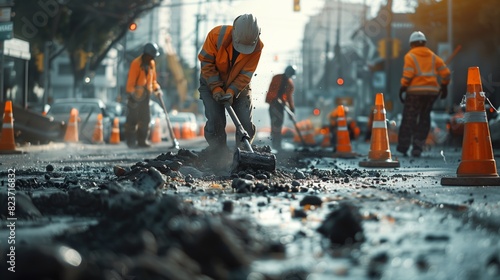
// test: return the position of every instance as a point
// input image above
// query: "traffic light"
(340, 81)
(381, 48)
(396, 47)
(316, 111)
(39, 57)
(296, 5)
(132, 26)
(83, 59)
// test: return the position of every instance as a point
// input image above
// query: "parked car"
(88, 109)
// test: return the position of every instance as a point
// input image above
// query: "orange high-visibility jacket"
(421, 70)
(274, 87)
(215, 58)
(138, 77)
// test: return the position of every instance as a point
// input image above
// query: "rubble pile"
(144, 230)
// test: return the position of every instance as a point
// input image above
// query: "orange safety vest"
(274, 87)
(215, 57)
(138, 79)
(421, 69)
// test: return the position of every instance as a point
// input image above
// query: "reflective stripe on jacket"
(215, 58)
(274, 87)
(138, 77)
(421, 70)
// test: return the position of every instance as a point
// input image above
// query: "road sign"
(6, 30)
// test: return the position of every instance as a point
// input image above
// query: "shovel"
(175, 143)
(292, 117)
(247, 158)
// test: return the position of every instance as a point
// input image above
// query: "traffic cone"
(7, 142)
(176, 128)
(343, 146)
(156, 133)
(380, 153)
(115, 132)
(478, 166)
(72, 128)
(98, 137)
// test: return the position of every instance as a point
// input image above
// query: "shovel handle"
(175, 143)
(239, 127)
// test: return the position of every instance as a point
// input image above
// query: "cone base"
(471, 181)
(380, 163)
(477, 168)
(7, 152)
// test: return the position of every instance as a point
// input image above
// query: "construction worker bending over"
(420, 82)
(229, 57)
(279, 95)
(352, 126)
(141, 83)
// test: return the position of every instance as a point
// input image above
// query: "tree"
(86, 30)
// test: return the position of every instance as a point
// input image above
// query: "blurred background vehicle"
(88, 109)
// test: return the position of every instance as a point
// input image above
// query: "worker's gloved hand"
(223, 97)
(401, 90)
(292, 109)
(158, 93)
(443, 91)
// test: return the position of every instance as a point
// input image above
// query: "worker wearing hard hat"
(141, 83)
(421, 71)
(280, 94)
(229, 57)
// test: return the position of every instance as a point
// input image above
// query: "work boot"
(143, 144)
(416, 153)
(403, 151)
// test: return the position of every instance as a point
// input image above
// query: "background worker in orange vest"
(280, 94)
(229, 57)
(141, 83)
(352, 126)
(420, 82)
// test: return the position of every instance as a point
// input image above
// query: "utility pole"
(388, 51)
(336, 49)
(450, 45)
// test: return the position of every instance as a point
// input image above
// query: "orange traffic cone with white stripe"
(176, 128)
(380, 153)
(478, 166)
(156, 133)
(71, 135)
(343, 146)
(98, 137)
(115, 132)
(7, 142)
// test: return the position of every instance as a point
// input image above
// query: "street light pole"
(388, 51)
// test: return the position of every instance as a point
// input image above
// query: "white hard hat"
(246, 33)
(417, 36)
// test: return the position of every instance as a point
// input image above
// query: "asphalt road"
(413, 227)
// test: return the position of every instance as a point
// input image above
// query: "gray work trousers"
(215, 127)
(416, 122)
(137, 122)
